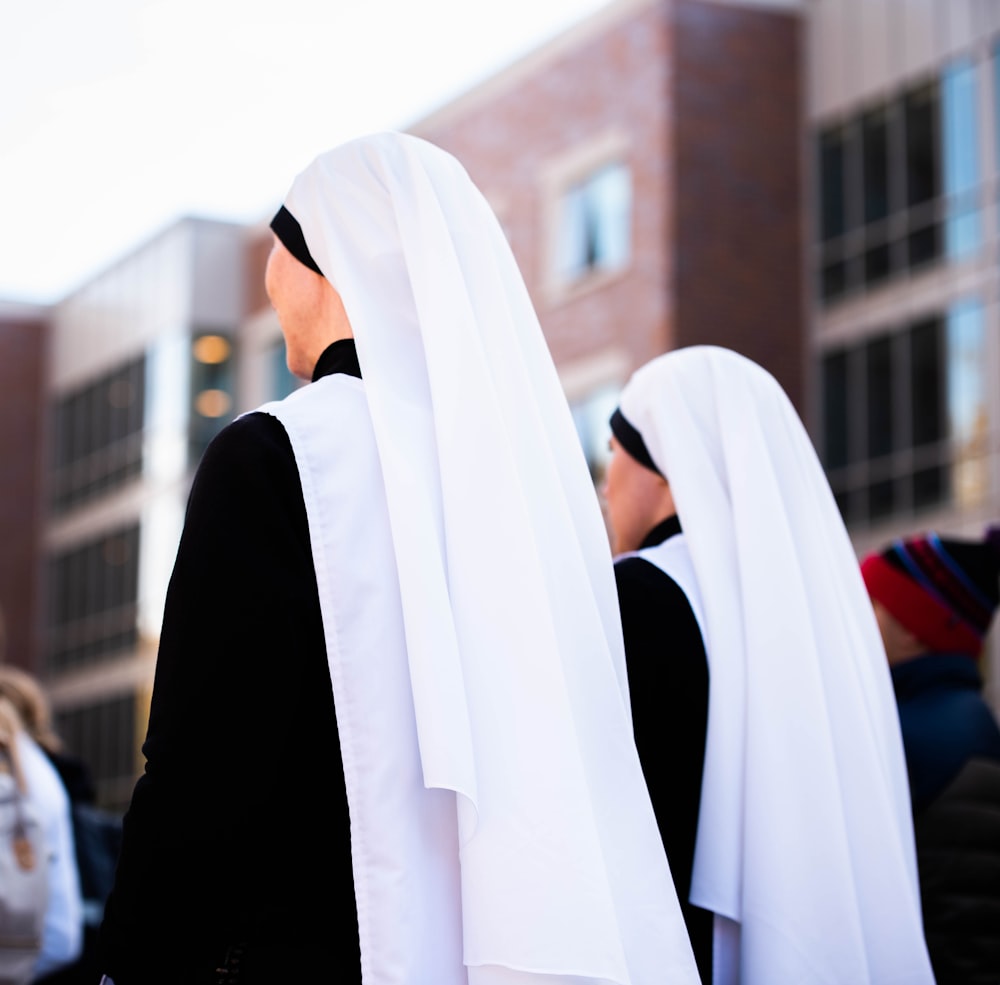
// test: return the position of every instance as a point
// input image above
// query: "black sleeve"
(242, 757)
(668, 685)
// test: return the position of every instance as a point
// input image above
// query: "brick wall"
(614, 79)
(737, 98)
(705, 99)
(22, 353)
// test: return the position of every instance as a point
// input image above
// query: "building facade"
(810, 182)
(140, 376)
(646, 168)
(903, 264)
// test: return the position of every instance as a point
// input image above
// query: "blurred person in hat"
(763, 708)
(935, 598)
(390, 736)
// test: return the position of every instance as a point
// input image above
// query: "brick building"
(138, 378)
(23, 338)
(646, 167)
(810, 182)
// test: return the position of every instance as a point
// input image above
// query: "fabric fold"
(805, 838)
(505, 581)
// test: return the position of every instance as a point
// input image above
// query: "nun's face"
(309, 310)
(637, 500)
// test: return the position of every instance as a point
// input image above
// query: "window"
(594, 224)
(282, 381)
(97, 439)
(899, 185)
(904, 422)
(961, 163)
(967, 416)
(92, 599)
(591, 415)
(211, 389)
(104, 736)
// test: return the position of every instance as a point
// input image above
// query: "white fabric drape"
(505, 580)
(805, 837)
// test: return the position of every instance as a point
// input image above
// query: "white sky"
(119, 116)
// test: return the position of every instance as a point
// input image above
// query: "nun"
(390, 738)
(764, 711)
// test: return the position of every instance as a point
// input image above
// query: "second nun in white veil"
(501, 828)
(804, 846)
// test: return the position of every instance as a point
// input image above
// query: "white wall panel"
(960, 24)
(826, 51)
(116, 315)
(871, 27)
(917, 27)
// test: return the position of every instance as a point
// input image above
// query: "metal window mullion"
(896, 222)
(902, 369)
(854, 215)
(857, 430)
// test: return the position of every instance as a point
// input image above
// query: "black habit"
(668, 685)
(236, 862)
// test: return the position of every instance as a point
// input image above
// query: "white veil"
(805, 837)
(509, 603)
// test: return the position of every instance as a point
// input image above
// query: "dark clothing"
(236, 849)
(339, 357)
(944, 720)
(79, 783)
(952, 746)
(668, 684)
(958, 855)
(75, 775)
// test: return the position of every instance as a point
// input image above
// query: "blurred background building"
(813, 184)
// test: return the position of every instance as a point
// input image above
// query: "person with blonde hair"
(32, 703)
(26, 714)
(28, 696)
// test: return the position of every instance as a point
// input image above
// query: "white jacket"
(62, 940)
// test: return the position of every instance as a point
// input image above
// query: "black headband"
(286, 227)
(631, 441)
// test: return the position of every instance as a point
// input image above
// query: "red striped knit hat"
(945, 592)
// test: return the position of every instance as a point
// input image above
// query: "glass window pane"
(595, 223)
(924, 243)
(99, 432)
(571, 243)
(831, 183)
(879, 390)
(833, 280)
(94, 598)
(875, 165)
(609, 207)
(877, 263)
(835, 424)
(927, 389)
(960, 152)
(920, 116)
(212, 389)
(591, 415)
(881, 499)
(967, 412)
(283, 381)
(928, 487)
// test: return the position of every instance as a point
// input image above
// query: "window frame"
(558, 176)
